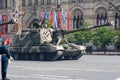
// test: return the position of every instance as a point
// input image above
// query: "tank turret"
(38, 42)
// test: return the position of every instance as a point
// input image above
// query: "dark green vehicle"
(38, 42)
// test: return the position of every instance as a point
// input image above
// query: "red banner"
(0, 34)
(1, 26)
(68, 20)
(59, 20)
(4, 26)
(51, 15)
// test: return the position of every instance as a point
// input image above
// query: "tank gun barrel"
(9, 22)
(87, 28)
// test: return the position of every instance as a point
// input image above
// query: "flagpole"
(20, 24)
(18, 15)
(58, 14)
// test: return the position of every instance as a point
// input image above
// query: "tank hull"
(46, 52)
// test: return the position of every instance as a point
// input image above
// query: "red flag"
(59, 20)
(68, 20)
(0, 34)
(1, 26)
(51, 15)
(4, 26)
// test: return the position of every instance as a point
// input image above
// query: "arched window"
(14, 3)
(29, 2)
(81, 20)
(74, 22)
(101, 18)
(117, 17)
(1, 4)
(73, 0)
(23, 3)
(58, 3)
(42, 2)
(97, 19)
(105, 18)
(36, 2)
(78, 22)
(80, 0)
(6, 3)
(101, 15)
(48, 1)
(77, 18)
(116, 20)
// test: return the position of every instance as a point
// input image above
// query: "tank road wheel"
(77, 56)
(56, 55)
(68, 57)
(49, 56)
(41, 57)
(33, 56)
(27, 56)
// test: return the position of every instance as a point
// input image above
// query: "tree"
(104, 37)
(83, 37)
(70, 38)
(117, 43)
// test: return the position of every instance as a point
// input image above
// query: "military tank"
(38, 42)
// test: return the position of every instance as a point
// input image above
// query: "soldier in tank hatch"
(4, 51)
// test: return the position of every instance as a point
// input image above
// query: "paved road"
(86, 68)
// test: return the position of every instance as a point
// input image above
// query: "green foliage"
(83, 37)
(79, 36)
(70, 38)
(96, 41)
(104, 37)
(117, 43)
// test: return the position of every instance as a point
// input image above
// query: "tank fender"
(57, 48)
(79, 47)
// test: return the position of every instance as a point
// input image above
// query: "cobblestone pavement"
(89, 67)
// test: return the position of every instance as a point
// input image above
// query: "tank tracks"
(45, 56)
